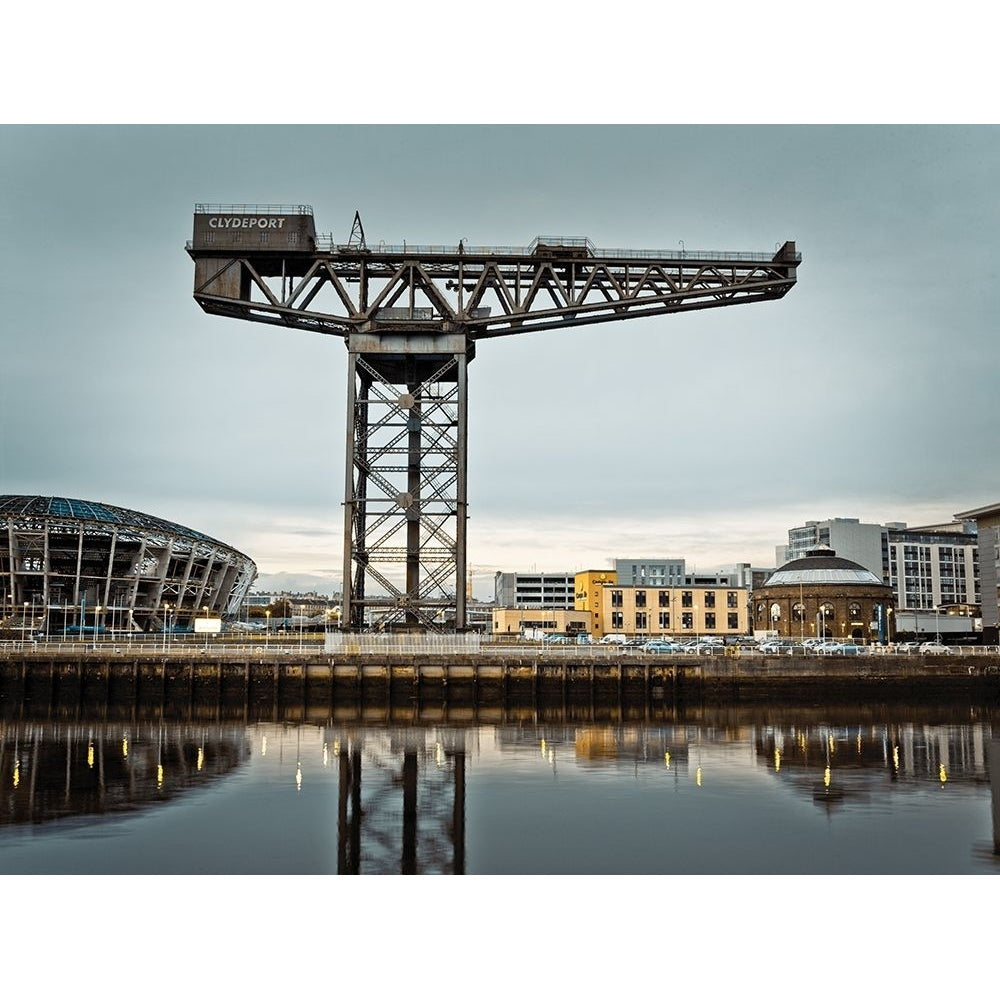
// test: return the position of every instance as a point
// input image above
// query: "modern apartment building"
(987, 521)
(934, 566)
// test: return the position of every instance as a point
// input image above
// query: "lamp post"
(204, 608)
(97, 613)
(166, 625)
(267, 631)
(24, 618)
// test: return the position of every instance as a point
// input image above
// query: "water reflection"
(54, 771)
(355, 795)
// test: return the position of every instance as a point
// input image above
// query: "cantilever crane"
(410, 317)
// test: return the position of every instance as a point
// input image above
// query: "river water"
(903, 789)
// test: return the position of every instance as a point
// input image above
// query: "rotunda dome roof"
(822, 566)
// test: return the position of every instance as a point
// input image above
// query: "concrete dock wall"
(315, 675)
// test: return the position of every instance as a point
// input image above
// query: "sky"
(868, 391)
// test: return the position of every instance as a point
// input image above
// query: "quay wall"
(494, 677)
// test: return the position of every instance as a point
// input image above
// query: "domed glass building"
(67, 565)
(823, 596)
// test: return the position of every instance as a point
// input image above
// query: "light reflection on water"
(777, 791)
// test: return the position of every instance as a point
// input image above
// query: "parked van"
(614, 638)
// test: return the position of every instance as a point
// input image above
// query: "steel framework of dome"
(67, 564)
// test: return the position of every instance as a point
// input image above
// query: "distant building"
(822, 595)
(589, 588)
(68, 566)
(535, 590)
(935, 566)
(684, 611)
(515, 621)
(861, 543)
(646, 572)
(987, 521)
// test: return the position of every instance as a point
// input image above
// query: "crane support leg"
(405, 482)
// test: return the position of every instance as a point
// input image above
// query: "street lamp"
(97, 612)
(166, 625)
(24, 618)
(204, 608)
(267, 632)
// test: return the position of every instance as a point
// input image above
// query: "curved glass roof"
(828, 575)
(88, 510)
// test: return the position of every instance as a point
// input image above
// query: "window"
(854, 612)
(640, 620)
(617, 619)
(731, 599)
(734, 619)
(664, 619)
(664, 599)
(776, 612)
(710, 621)
(616, 598)
(640, 598)
(709, 598)
(798, 612)
(686, 599)
(687, 620)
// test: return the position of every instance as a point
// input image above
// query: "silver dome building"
(824, 596)
(67, 565)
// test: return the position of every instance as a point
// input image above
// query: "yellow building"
(682, 612)
(514, 621)
(589, 585)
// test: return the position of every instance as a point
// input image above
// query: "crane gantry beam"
(410, 317)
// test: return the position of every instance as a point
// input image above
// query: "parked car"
(704, 647)
(662, 646)
(935, 647)
(774, 646)
(847, 649)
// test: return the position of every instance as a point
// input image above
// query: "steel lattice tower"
(410, 317)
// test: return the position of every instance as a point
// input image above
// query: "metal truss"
(410, 317)
(405, 491)
(490, 291)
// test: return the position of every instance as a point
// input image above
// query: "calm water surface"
(902, 790)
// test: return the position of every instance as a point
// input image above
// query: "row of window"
(774, 613)
(663, 598)
(642, 620)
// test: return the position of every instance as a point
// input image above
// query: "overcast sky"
(869, 391)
